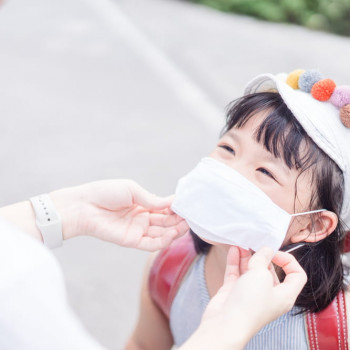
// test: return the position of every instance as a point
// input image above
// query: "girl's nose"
(244, 168)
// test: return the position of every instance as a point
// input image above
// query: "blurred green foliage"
(327, 15)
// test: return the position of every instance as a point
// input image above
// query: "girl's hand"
(118, 211)
(246, 302)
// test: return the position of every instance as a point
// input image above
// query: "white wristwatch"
(48, 220)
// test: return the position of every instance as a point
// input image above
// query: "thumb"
(148, 200)
(261, 259)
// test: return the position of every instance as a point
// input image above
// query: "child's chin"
(208, 241)
(224, 245)
(212, 242)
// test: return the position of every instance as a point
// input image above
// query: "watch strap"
(48, 220)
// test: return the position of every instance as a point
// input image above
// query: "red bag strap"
(347, 242)
(168, 270)
(328, 329)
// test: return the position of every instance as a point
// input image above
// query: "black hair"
(282, 135)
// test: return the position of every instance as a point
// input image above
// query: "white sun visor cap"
(320, 120)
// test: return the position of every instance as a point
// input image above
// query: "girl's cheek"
(213, 154)
(221, 156)
(294, 230)
(273, 190)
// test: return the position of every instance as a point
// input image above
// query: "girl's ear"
(320, 227)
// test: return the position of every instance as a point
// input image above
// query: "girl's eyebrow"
(233, 136)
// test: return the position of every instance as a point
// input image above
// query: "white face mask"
(221, 205)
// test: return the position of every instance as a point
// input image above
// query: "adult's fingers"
(274, 274)
(295, 275)
(245, 256)
(289, 265)
(261, 259)
(148, 200)
(160, 219)
(232, 265)
(153, 244)
(157, 231)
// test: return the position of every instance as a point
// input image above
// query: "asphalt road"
(96, 89)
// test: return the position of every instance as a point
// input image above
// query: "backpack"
(326, 329)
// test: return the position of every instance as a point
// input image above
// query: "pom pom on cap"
(345, 115)
(323, 89)
(341, 96)
(308, 79)
(293, 78)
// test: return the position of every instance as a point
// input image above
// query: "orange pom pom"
(293, 78)
(345, 115)
(323, 89)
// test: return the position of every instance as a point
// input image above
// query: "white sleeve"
(35, 314)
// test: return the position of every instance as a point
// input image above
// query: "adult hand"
(118, 211)
(248, 301)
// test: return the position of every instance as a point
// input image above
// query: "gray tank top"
(287, 332)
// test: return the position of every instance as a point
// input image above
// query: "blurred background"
(98, 89)
(327, 15)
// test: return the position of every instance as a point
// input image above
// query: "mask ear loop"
(302, 244)
(308, 212)
(294, 248)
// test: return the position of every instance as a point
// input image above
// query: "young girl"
(287, 146)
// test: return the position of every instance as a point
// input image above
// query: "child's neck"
(215, 266)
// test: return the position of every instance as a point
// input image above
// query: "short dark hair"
(282, 135)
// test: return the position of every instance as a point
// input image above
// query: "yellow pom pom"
(293, 78)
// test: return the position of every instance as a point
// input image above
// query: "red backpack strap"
(168, 270)
(328, 329)
(347, 242)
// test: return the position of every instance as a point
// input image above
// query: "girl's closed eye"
(267, 173)
(227, 148)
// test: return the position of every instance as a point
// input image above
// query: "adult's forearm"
(117, 211)
(22, 216)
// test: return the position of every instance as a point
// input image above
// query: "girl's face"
(239, 149)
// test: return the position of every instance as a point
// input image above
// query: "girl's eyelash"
(266, 172)
(262, 170)
(227, 148)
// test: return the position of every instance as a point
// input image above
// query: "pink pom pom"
(341, 96)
